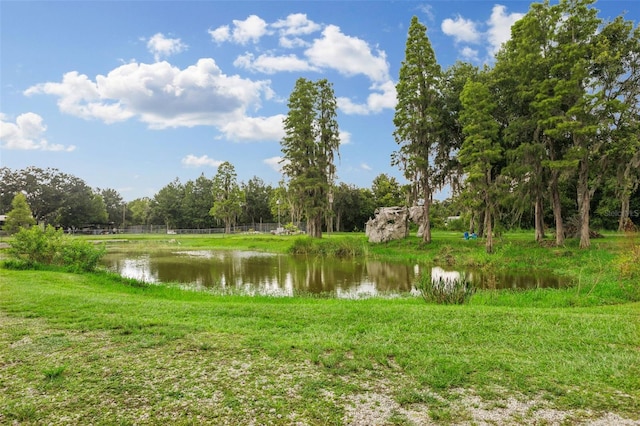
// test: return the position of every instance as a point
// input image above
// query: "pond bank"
(150, 354)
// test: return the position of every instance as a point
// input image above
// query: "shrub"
(34, 246)
(444, 290)
(344, 248)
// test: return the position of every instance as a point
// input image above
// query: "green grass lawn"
(97, 349)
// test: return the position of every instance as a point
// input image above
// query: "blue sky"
(130, 95)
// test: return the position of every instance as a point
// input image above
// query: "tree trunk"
(584, 201)
(488, 228)
(426, 235)
(539, 217)
(624, 211)
(557, 207)
(316, 227)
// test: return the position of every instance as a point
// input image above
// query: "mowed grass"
(97, 349)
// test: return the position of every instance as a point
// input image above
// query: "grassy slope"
(90, 349)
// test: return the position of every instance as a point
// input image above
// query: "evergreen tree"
(20, 215)
(481, 151)
(227, 196)
(309, 147)
(418, 117)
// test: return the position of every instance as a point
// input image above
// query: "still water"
(247, 272)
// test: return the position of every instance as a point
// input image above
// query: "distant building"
(3, 219)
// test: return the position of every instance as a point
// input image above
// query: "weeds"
(444, 290)
(344, 248)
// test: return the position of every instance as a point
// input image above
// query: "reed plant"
(444, 290)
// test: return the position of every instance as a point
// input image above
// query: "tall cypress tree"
(418, 116)
(309, 147)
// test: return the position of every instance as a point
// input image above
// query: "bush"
(343, 248)
(443, 290)
(35, 246)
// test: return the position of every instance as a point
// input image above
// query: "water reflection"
(248, 272)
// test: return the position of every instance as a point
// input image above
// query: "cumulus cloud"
(220, 34)
(202, 161)
(243, 32)
(469, 54)
(275, 163)
(500, 24)
(331, 50)
(159, 94)
(162, 47)
(27, 133)
(296, 24)
(498, 31)
(249, 129)
(345, 137)
(462, 30)
(269, 64)
(383, 96)
(348, 55)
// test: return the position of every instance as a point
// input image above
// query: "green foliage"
(344, 248)
(227, 196)
(309, 146)
(443, 290)
(35, 246)
(20, 216)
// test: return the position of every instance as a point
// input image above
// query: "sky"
(130, 95)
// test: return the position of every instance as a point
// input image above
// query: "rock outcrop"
(392, 223)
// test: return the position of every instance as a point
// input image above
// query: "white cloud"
(462, 30)
(348, 55)
(251, 29)
(469, 54)
(345, 137)
(243, 32)
(500, 26)
(272, 64)
(365, 166)
(193, 161)
(220, 34)
(383, 96)
(159, 94)
(467, 31)
(255, 129)
(275, 163)
(162, 47)
(296, 24)
(27, 133)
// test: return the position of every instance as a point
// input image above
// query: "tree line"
(66, 201)
(551, 126)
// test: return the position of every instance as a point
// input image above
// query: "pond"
(257, 273)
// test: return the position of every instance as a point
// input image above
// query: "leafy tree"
(140, 211)
(114, 206)
(387, 191)
(227, 196)
(167, 204)
(309, 147)
(353, 206)
(481, 150)
(616, 67)
(20, 215)
(196, 203)
(418, 120)
(257, 195)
